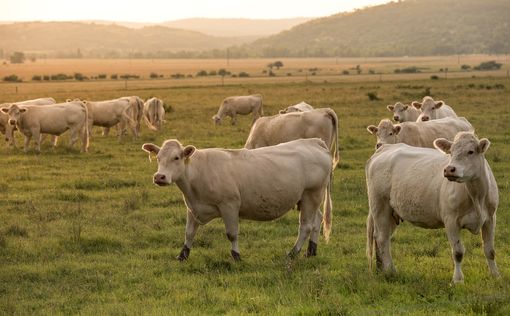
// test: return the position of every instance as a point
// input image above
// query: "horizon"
(162, 11)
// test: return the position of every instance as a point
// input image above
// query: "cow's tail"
(370, 240)
(334, 147)
(85, 129)
(149, 114)
(328, 207)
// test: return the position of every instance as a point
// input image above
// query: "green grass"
(90, 233)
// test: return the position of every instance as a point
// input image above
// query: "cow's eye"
(176, 158)
(391, 134)
(470, 152)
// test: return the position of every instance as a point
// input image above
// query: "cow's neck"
(478, 189)
(185, 183)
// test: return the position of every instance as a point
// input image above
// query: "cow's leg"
(384, 225)
(91, 124)
(54, 140)
(191, 230)
(106, 131)
(27, 142)
(310, 202)
(453, 233)
(36, 134)
(234, 118)
(74, 135)
(488, 229)
(314, 236)
(230, 216)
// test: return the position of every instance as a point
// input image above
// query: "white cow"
(280, 128)
(260, 184)
(300, 107)
(154, 113)
(403, 112)
(432, 110)
(136, 113)
(420, 134)
(55, 119)
(454, 188)
(109, 113)
(8, 129)
(243, 105)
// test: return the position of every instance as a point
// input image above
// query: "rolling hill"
(412, 27)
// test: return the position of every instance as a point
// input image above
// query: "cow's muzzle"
(378, 145)
(160, 179)
(425, 118)
(449, 173)
(396, 118)
(12, 122)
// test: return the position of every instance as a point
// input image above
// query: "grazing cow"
(8, 129)
(420, 134)
(243, 105)
(280, 128)
(154, 113)
(136, 112)
(432, 110)
(403, 112)
(300, 107)
(110, 113)
(260, 184)
(454, 189)
(55, 119)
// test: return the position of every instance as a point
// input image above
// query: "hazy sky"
(164, 10)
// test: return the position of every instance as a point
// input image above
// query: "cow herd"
(428, 168)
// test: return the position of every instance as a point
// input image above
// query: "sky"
(156, 11)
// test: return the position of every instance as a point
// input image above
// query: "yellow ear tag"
(150, 156)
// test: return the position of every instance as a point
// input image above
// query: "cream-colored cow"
(300, 107)
(154, 113)
(452, 187)
(420, 134)
(242, 105)
(260, 184)
(432, 110)
(280, 128)
(109, 113)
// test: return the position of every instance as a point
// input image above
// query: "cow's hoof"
(236, 255)
(312, 249)
(293, 253)
(184, 253)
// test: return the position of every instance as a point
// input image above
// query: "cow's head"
(398, 111)
(172, 157)
(14, 112)
(217, 119)
(428, 108)
(386, 132)
(289, 109)
(4, 123)
(466, 156)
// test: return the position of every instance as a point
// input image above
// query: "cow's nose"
(158, 177)
(378, 145)
(12, 122)
(450, 170)
(395, 118)
(425, 118)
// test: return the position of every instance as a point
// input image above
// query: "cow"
(258, 184)
(243, 105)
(109, 113)
(300, 107)
(420, 134)
(8, 129)
(403, 112)
(321, 123)
(452, 187)
(55, 119)
(136, 112)
(432, 110)
(154, 113)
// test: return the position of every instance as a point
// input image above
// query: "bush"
(79, 76)
(488, 65)
(177, 76)
(36, 78)
(12, 78)
(60, 76)
(289, 74)
(153, 75)
(465, 67)
(46, 78)
(129, 76)
(202, 73)
(243, 74)
(408, 70)
(271, 73)
(101, 76)
(114, 77)
(371, 71)
(434, 77)
(345, 72)
(212, 73)
(372, 96)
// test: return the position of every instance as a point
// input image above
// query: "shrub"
(177, 76)
(79, 76)
(12, 78)
(371, 71)
(46, 78)
(345, 72)
(289, 74)
(372, 96)
(408, 70)
(271, 73)
(202, 73)
(488, 65)
(465, 67)
(153, 75)
(59, 76)
(243, 74)
(36, 78)
(114, 77)
(434, 77)
(129, 76)
(101, 76)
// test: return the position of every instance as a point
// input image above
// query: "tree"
(278, 64)
(270, 66)
(17, 58)
(223, 72)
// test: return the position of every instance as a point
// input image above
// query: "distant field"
(90, 234)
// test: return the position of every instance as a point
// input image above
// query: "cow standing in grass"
(242, 105)
(154, 113)
(260, 184)
(452, 187)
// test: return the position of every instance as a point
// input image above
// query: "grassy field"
(90, 233)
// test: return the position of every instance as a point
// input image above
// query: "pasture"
(90, 233)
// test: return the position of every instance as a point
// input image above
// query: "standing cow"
(243, 105)
(452, 187)
(432, 110)
(55, 119)
(136, 113)
(109, 113)
(260, 184)
(403, 112)
(280, 128)
(300, 107)
(420, 134)
(154, 113)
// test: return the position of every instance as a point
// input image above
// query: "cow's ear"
(188, 151)
(483, 145)
(22, 110)
(68, 100)
(5, 110)
(406, 106)
(397, 129)
(416, 104)
(282, 112)
(372, 129)
(150, 148)
(390, 107)
(443, 145)
(438, 104)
